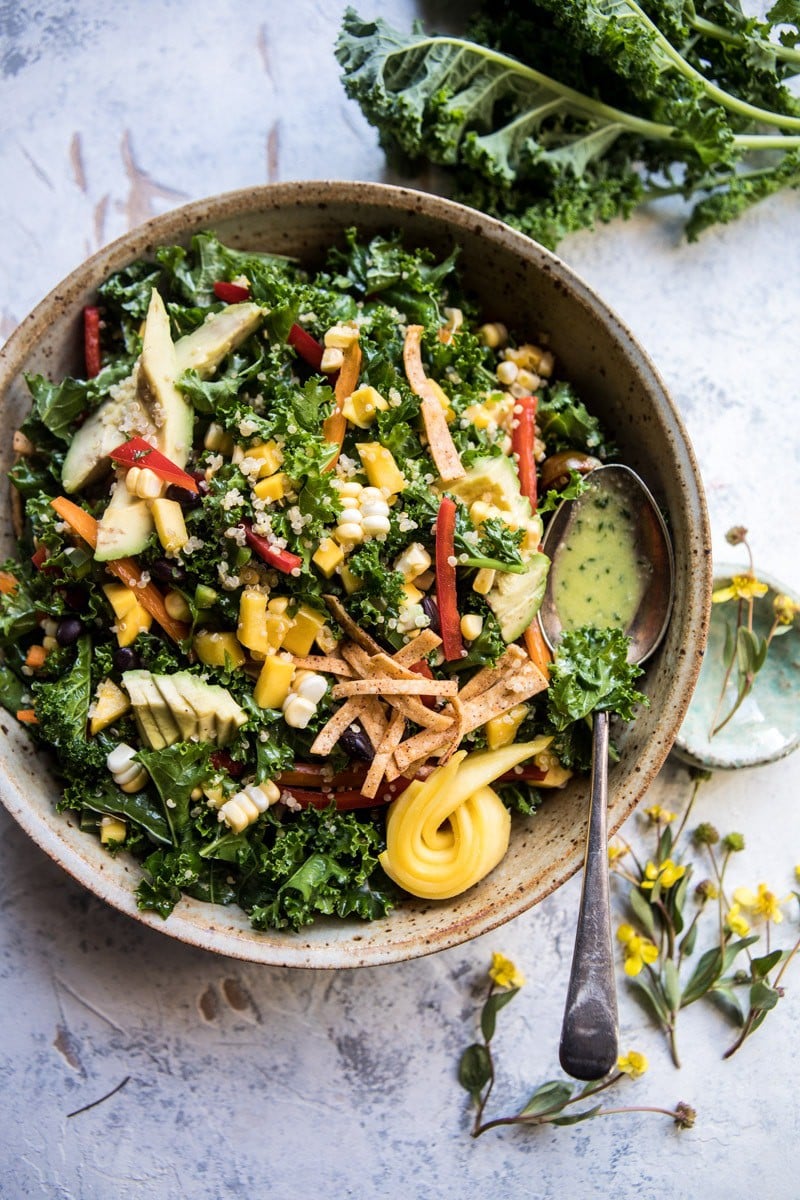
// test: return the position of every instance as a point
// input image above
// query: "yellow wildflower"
(638, 950)
(735, 922)
(633, 1063)
(797, 872)
(504, 974)
(762, 903)
(617, 850)
(666, 873)
(786, 609)
(659, 815)
(741, 587)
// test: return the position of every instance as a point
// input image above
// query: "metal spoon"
(589, 1034)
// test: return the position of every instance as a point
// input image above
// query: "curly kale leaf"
(591, 673)
(317, 862)
(557, 114)
(566, 424)
(62, 712)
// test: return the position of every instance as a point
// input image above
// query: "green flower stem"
(688, 810)
(544, 1117)
(709, 29)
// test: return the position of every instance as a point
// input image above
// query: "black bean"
(184, 497)
(431, 610)
(126, 659)
(356, 743)
(68, 631)
(167, 572)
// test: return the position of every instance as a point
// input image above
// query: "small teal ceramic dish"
(767, 724)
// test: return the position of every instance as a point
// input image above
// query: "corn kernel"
(471, 626)
(483, 581)
(413, 562)
(112, 829)
(218, 440)
(493, 334)
(176, 606)
(327, 640)
(507, 371)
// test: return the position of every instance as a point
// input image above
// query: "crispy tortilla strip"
(384, 685)
(457, 731)
(374, 720)
(329, 735)
(383, 755)
(486, 678)
(353, 631)
(411, 708)
(440, 443)
(414, 652)
(526, 682)
(327, 664)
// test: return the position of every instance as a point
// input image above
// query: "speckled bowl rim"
(348, 944)
(682, 748)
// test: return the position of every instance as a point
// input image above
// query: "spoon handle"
(589, 1033)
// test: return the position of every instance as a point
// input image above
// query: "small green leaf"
(665, 843)
(725, 997)
(551, 1096)
(678, 899)
(642, 910)
(706, 973)
(475, 1070)
(761, 967)
(655, 1002)
(495, 1002)
(687, 945)
(672, 985)
(735, 948)
(763, 997)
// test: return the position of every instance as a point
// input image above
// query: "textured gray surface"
(260, 1081)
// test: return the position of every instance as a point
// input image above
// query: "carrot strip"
(8, 584)
(35, 657)
(27, 716)
(126, 569)
(77, 518)
(334, 427)
(538, 649)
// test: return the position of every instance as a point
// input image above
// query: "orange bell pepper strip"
(27, 716)
(440, 442)
(126, 569)
(538, 650)
(334, 427)
(8, 584)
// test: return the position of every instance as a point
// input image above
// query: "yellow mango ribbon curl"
(446, 833)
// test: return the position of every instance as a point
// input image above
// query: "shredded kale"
(591, 673)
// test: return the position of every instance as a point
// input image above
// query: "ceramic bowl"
(529, 289)
(766, 727)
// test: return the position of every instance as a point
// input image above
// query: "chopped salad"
(274, 607)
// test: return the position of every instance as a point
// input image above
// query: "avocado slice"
(181, 710)
(125, 526)
(154, 716)
(515, 599)
(123, 415)
(204, 348)
(171, 412)
(218, 714)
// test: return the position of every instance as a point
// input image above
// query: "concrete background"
(247, 1081)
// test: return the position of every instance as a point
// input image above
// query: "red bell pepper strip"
(222, 761)
(139, 453)
(39, 557)
(523, 435)
(91, 340)
(422, 668)
(231, 293)
(281, 560)
(306, 346)
(346, 799)
(449, 620)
